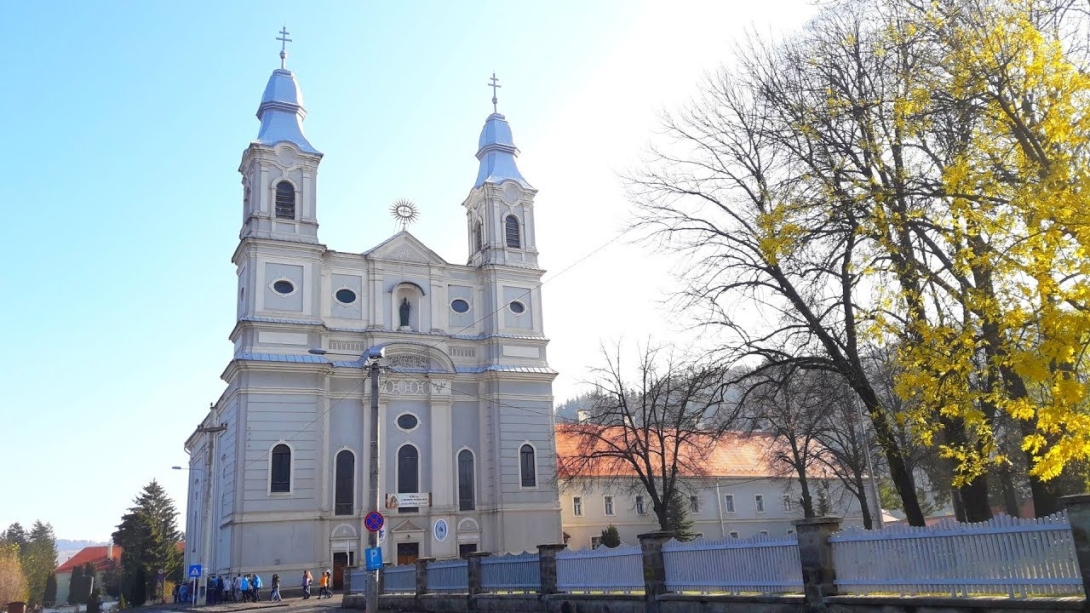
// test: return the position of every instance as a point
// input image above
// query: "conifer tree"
(50, 596)
(74, 583)
(677, 517)
(39, 558)
(610, 536)
(149, 536)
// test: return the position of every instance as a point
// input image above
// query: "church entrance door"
(340, 561)
(407, 553)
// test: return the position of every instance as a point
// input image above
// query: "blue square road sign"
(373, 557)
(194, 571)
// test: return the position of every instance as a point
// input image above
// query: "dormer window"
(285, 200)
(477, 231)
(511, 231)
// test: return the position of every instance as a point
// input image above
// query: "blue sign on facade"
(373, 557)
(194, 571)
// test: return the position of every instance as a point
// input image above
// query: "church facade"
(279, 467)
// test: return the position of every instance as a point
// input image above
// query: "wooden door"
(407, 553)
(340, 561)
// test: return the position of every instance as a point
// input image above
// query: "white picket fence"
(1003, 556)
(606, 569)
(448, 576)
(511, 573)
(757, 564)
(398, 579)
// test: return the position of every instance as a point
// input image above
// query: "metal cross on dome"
(495, 84)
(284, 40)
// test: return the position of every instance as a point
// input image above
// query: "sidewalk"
(232, 607)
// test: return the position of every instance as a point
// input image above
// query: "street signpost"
(194, 574)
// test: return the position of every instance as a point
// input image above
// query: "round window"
(283, 287)
(518, 308)
(459, 306)
(346, 296)
(407, 421)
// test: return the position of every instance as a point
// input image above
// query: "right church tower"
(500, 208)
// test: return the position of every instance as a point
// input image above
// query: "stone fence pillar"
(816, 557)
(422, 575)
(473, 567)
(1078, 514)
(654, 567)
(546, 559)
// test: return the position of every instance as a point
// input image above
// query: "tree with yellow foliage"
(906, 175)
(13, 586)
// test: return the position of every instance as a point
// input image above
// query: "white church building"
(465, 401)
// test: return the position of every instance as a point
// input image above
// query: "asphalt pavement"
(295, 605)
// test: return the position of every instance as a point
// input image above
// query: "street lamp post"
(373, 355)
(193, 591)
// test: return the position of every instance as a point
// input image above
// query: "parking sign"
(373, 557)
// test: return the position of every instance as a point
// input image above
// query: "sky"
(124, 124)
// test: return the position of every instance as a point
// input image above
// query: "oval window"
(283, 287)
(346, 296)
(407, 421)
(518, 308)
(459, 306)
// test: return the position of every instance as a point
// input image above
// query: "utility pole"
(209, 478)
(372, 357)
(374, 354)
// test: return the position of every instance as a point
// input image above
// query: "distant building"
(466, 420)
(104, 557)
(740, 495)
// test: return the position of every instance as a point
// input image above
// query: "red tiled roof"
(734, 454)
(96, 555)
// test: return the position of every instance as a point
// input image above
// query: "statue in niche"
(403, 312)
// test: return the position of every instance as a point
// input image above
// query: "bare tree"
(747, 191)
(657, 423)
(791, 405)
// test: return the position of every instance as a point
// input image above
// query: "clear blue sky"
(124, 123)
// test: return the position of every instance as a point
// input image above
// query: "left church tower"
(279, 206)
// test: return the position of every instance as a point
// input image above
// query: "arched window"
(280, 473)
(528, 466)
(345, 481)
(477, 238)
(285, 200)
(511, 230)
(465, 481)
(408, 473)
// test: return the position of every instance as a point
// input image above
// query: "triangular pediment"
(404, 247)
(408, 526)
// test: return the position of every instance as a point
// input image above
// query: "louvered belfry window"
(511, 228)
(477, 238)
(285, 200)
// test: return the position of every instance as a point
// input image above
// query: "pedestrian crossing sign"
(194, 571)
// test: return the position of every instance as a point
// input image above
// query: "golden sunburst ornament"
(404, 212)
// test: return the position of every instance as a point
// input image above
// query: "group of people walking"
(247, 588)
(324, 584)
(240, 588)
